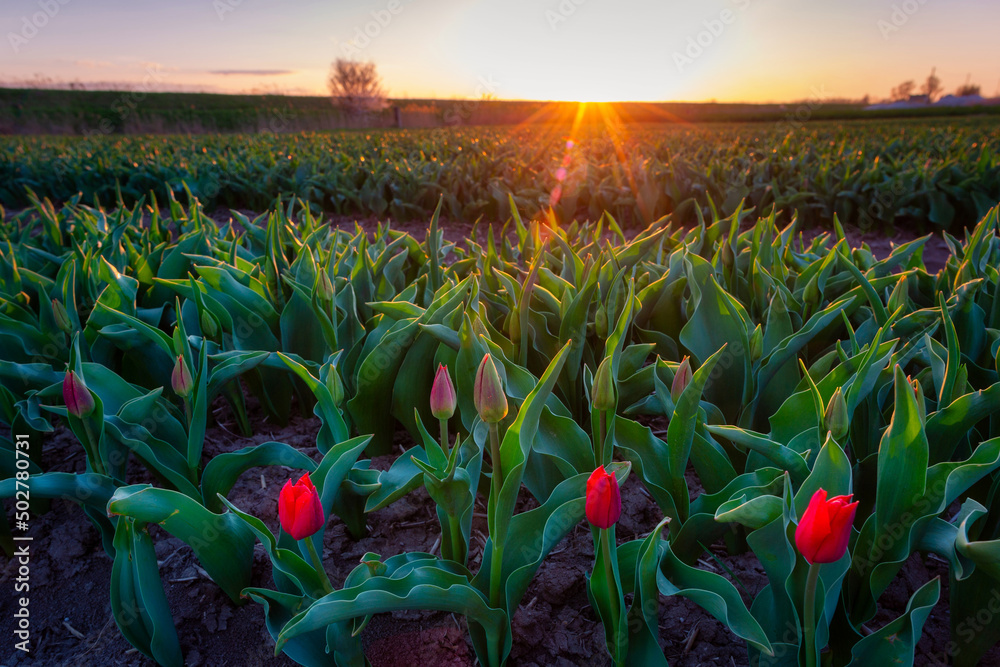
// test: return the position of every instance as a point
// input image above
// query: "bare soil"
(70, 573)
(935, 252)
(70, 578)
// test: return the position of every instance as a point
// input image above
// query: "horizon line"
(111, 86)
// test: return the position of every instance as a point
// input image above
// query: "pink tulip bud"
(489, 397)
(443, 398)
(681, 379)
(181, 379)
(76, 396)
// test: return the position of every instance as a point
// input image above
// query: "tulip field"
(877, 175)
(702, 437)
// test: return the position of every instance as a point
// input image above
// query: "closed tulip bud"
(601, 322)
(299, 509)
(208, 326)
(728, 257)
(760, 291)
(863, 257)
(604, 387)
(180, 379)
(825, 529)
(335, 385)
(376, 568)
(489, 397)
(898, 297)
(76, 396)
(835, 418)
(514, 327)
(811, 293)
(681, 379)
(325, 287)
(918, 393)
(61, 316)
(756, 344)
(443, 398)
(604, 500)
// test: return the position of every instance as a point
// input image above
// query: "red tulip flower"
(299, 509)
(443, 398)
(604, 500)
(825, 528)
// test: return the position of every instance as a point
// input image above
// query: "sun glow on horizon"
(595, 98)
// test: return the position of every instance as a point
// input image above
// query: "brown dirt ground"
(72, 624)
(935, 250)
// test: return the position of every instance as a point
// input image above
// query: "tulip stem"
(603, 428)
(812, 580)
(496, 480)
(93, 447)
(457, 540)
(497, 475)
(607, 538)
(318, 564)
(444, 437)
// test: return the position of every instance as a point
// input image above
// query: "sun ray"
(561, 173)
(617, 134)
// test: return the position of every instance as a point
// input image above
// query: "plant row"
(876, 175)
(836, 413)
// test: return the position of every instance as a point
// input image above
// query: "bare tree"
(932, 86)
(356, 87)
(968, 90)
(903, 91)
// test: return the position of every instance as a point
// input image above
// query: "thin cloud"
(91, 64)
(252, 72)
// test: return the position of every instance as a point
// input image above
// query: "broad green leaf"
(224, 469)
(221, 542)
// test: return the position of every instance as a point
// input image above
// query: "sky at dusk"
(727, 50)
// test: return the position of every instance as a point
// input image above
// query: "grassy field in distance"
(35, 111)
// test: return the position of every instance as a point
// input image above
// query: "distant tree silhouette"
(903, 90)
(356, 87)
(932, 86)
(968, 90)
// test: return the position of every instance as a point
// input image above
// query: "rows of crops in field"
(874, 175)
(790, 375)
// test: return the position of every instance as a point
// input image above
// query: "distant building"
(920, 101)
(961, 101)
